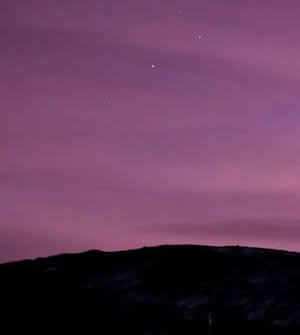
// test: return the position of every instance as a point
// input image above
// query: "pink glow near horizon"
(120, 127)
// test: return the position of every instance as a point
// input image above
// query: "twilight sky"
(132, 123)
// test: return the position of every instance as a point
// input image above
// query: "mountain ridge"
(90, 251)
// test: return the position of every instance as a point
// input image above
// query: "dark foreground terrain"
(158, 290)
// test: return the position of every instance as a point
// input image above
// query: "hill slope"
(157, 285)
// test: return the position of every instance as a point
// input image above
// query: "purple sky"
(132, 123)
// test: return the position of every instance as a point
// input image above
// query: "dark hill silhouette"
(174, 288)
